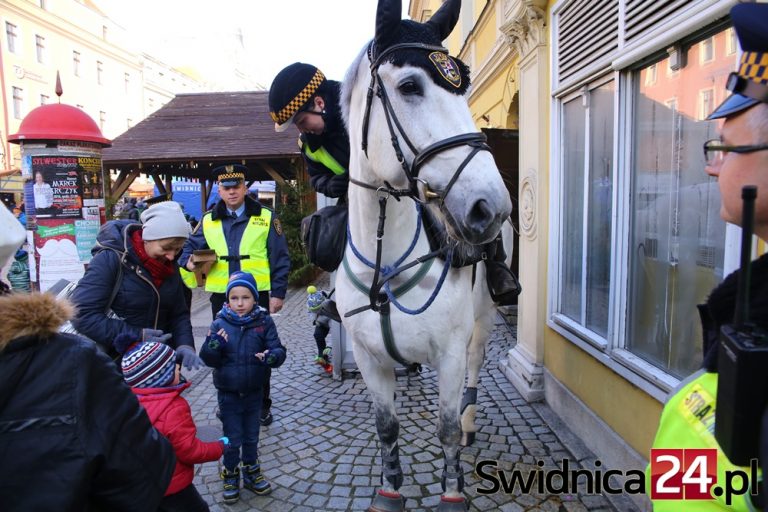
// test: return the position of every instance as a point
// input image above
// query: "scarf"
(233, 318)
(160, 270)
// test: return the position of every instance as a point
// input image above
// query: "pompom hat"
(243, 279)
(149, 364)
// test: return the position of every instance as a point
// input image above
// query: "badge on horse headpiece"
(447, 68)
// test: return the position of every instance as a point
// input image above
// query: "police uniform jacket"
(334, 139)
(277, 246)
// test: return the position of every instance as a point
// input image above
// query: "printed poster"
(57, 187)
(57, 254)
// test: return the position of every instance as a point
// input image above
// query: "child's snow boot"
(231, 485)
(254, 480)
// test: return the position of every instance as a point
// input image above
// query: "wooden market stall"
(194, 133)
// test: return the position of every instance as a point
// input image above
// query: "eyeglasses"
(715, 151)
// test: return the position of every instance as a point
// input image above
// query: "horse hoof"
(468, 438)
(388, 502)
(452, 504)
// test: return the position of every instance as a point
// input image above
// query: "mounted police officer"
(246, 236)
(737, 159)
(301, 95)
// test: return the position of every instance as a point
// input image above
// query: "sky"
(275, 33)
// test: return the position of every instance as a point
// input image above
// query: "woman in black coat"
(73, 436)
(137, 263)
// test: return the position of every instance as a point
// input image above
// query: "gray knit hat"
(164, 220)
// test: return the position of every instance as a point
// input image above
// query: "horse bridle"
(475, 140)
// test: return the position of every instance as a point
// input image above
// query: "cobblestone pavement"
(321, 452)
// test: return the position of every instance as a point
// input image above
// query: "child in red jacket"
(150, 369)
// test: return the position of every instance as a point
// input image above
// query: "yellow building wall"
(629, 411)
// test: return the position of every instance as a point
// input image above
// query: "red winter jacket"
(171, 416)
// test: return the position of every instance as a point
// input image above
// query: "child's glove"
(215, 340)
(188, 358)
(224, 440)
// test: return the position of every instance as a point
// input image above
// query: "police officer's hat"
(291, 91)
(230, 175)
(157, 199)
(750, 84)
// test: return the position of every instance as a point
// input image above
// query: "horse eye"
(409, 87)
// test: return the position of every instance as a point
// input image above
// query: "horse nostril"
(480, 216)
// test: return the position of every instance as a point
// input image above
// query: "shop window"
(677, 238)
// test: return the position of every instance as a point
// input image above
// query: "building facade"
(100, 72)
(620, 233)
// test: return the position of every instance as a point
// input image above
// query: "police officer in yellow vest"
(738, 158)
(246, 236)
(301, 95)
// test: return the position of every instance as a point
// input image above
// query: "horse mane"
(348, 84)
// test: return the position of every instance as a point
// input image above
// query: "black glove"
(188, 358)
(337, 186)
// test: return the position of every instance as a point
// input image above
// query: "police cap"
(749, 84)
(230, 175)
(291, 91)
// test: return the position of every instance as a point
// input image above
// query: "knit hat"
(290, 92)
(149, 364)
(243, 279)
(164, 220)
(315, 298)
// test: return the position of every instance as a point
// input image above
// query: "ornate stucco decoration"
(528, 206)
(526, 24)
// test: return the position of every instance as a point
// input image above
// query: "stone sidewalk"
(321, 452)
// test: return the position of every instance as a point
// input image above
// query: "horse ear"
(387, 19)
(445, 18)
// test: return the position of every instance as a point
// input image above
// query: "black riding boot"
(502, 282)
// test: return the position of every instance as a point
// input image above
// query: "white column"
(527, 31)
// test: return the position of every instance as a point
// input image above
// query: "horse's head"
(405, 104)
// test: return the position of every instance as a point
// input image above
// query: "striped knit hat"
(149, 364)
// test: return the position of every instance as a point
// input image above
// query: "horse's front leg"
(449, 432)
(381, 385)
(475, 360)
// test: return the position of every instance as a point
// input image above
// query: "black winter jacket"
(334, 139)
(73, 436)
(138, 302)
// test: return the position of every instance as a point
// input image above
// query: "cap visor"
(734, 104)
(230, 183)
(282, 127)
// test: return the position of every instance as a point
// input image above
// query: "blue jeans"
(240, 421)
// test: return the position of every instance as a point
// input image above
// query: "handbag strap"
(118, 282)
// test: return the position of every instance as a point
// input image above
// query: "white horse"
(416, 154)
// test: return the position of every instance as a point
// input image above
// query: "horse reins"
(475, 140)
(380, 301)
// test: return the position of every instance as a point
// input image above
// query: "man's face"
(736, 170)
(233, 196)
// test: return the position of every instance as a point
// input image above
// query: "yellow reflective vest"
(322, 156)
(688, 421)
(253, 244)
(188, 278)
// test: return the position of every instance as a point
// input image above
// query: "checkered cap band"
(149, 365)
(229, 176)
(293, 106)
(754, 66)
